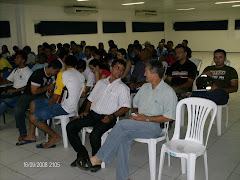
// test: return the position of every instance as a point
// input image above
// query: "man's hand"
(139, 117)
(213, 87)
(51, 86)
(107, 119)
(10, 91)
(208, 73)
(81, 115)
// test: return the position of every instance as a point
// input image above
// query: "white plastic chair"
(131, 109)
(197, 62)
(193, 146)
(152, 146)
(227, 62)
(65, 119)
(103, 138)
(165, 65)
(219, 118)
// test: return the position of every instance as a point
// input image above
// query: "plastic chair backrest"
(197, 62)
(227, 62)
(198, 111)
(165, 65)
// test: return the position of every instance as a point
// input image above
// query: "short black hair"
(89, 47)
(155, 66)
(62, 53)
(81, 64)
(27, 49)
(120, 61)
(114, 46)
(220, 51)
(186, 41)
(78, 45)
(23, 55)
(111, 41)
(45, 44)
(53, 45)
(49, 47)
(66, 45)
(95, 63)
(169, 42)
(71, 60)
(136, 42)
(55, 64)
(73, 42)
(93, 48)
(138, 47)
(15, 47)
(181, 46)
(122, 51)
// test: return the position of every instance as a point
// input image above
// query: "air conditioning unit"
(80, 10)
(146, 13)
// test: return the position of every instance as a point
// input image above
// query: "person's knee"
(32, 118)
(69, 127)
(95, 136)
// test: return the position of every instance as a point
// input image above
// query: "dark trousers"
(21, 107)
(99, 128)
(219, 96)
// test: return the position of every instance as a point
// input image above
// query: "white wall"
(198, 40)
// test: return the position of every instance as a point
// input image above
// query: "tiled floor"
(223, 151)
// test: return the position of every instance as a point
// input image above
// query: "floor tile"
(7, 174)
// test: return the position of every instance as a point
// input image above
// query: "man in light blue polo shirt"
(154, 103)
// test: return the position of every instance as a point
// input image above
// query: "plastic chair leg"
(64, 122)
(226, 116)
(4, 118)
(191, 163)
(219, 120)
(184, 165)
(205, 164)
(152, 159)
(103, 139)
(36, 132)
(83, 135)
(162, 157)
(48, 122)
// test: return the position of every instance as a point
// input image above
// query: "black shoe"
(74, 163)
(95, 168)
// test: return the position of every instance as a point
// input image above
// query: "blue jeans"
(120, 139)
(219, 96)
(4, 103)
(44, 112)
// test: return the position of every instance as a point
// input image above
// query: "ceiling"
(155, 5)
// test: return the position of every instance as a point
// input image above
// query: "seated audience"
(164, 42)
(43, 109)
(138, 78)
(153, 52)
(41, 49)
(154, 104)
(161, 50)
(59, 45)
(182, 73)
(41, 62)
(88, 75)
(189, 51)
(96, 68)
(79, 54)
(73, 47)
(110, 44)
(170, 50)
(4, 66)
(66, 47)
(19, 77)
(88, 54)
(49, 53)
(5, 52)
(39, 83)
(101, 112)
(54, 48)
(121, 54)
(225, 80)
(112, 55)
(137, 50)
(130, 54)
(31, 58)
(101, 49)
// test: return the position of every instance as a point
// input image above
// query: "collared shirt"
(89, 77)
(162, 53)
(108, 97)
(88, 60)
(160, 101)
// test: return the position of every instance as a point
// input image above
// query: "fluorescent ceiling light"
(188, 9)
(236, 6)
(227, 2)
(129, 4)
(82, 0)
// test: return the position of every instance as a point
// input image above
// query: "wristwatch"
(147, 119)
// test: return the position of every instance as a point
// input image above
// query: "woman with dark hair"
(121, 54)
(5, 52)
(98, 70)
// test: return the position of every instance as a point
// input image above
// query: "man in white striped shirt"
(109, 99)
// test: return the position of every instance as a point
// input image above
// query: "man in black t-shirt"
(182, 73)
(41, 81)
